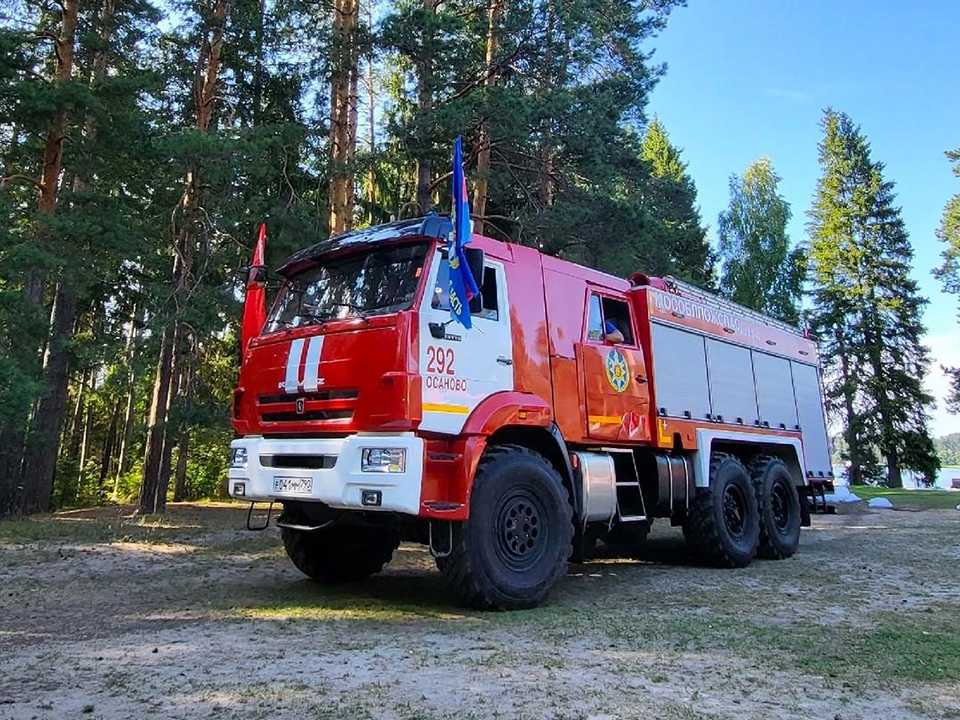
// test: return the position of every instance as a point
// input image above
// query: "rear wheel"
(779, 508)
(516, 544)
(340, 554)
(723, 524)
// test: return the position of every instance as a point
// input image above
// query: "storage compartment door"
(816, 449)
(680, 373)
(733, 394)
(778, 408)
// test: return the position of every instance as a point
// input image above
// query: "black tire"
(779, 507)
(340, 554)
(518, 540)
(723, 523)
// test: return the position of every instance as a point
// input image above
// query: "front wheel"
(723, 524)
(516, 544)
(340, 554)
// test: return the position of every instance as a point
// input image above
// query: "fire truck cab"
(578, 408)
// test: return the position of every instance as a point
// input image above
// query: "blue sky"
(748, 78)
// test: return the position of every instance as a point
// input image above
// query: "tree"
(759, 268)
(672, 198)
(867, 309)
(345, 58)
(949, 271)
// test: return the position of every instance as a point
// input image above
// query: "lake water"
(944, 479)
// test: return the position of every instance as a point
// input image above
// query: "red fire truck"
(578, 407)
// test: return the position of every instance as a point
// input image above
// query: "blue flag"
(462, 284)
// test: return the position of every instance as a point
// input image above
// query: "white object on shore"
(958, 507)
(841, 494)
(880, 503)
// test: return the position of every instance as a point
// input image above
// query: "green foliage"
(948, 449)
(867, 309)
(671, 198)
(949, 271)
(760, 270)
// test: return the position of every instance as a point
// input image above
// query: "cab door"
(460, 368)
(613, 373)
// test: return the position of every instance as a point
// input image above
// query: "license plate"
(296, 485)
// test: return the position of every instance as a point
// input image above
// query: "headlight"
(383, 460)
(238, 457)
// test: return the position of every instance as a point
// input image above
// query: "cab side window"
(490, 305)
(595, 324)
(609, 320)
(616, 315)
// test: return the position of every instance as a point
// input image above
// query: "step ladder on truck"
(578, 407)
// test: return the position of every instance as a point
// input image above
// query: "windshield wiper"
(362, 312)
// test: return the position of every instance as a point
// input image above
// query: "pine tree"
(949, 271)
(867, 309)
(759, 268)
(671, 198)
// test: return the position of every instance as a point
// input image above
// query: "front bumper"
(343, 485)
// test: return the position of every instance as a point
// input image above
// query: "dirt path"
(104, 615)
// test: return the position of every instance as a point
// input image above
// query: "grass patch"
(911, 499)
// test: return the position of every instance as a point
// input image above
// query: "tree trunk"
(40, 460)
(21, 496)
(371, 89)
(156, 426)
(84, 455)
(56, 132)
(482, 184)
(894, 474)
(76, 423)
(11, 453)
(424, 141)
(109, 445)
(850, 429)
(180, 486)
(127, 431)
(343, 114)
(205, 94)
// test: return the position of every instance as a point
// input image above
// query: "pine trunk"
(11, 452)
(127, 431)
(482, 184)
(109, 446)
(84, 456)
(371, 123)
(343, 114)
(205, 94)
(424, 105)
(850, 434)
(40, 460)
(15, 495)
(156, 426)
(180, 485)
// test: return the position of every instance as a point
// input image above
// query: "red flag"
(255, 304)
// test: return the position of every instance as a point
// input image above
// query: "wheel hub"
(520, 531)
(734, 511)
(779, 507)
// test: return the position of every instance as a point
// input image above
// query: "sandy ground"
(105, 615)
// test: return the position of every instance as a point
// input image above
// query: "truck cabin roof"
(431, 226)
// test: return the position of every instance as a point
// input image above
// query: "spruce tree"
(949, 271)
(867, 310)
(760, 270)
(671, 197)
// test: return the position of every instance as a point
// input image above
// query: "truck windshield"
(357, 285)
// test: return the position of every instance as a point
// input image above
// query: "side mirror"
(475, 263)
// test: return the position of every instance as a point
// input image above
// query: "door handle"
(641, 379)
(504, 360)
